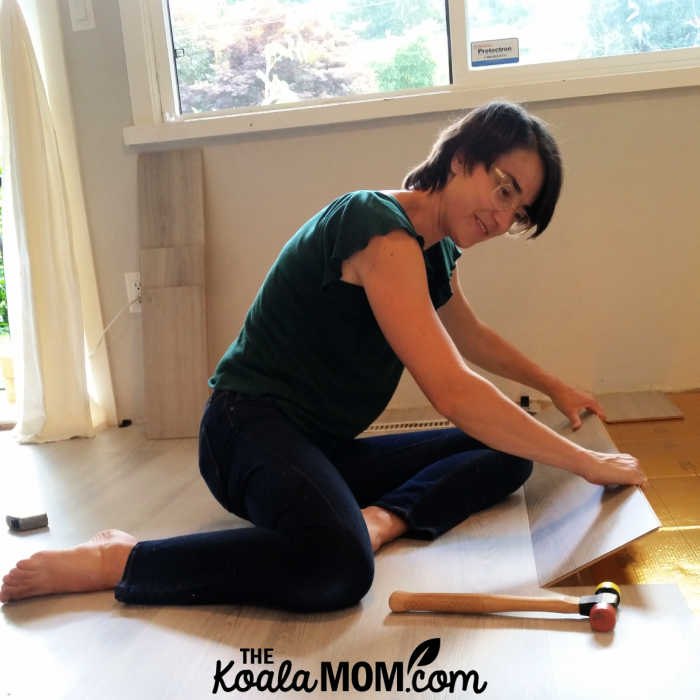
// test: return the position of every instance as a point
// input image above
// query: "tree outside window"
(639, 26)
(248, 53)
(551, 30)
(234, 54)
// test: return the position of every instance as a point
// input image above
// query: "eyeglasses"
(505, 196)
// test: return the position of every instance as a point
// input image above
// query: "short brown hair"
(481, 136)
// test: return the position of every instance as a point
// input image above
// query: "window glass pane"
(554, 30)
(247, 53)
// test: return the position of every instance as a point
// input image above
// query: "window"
(274, 63)
(552, 30)
(249, 53)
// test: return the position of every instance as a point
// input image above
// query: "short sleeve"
(441, 260)
(353, 221)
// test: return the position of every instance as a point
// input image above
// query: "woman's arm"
(392, 271)
(485, 348)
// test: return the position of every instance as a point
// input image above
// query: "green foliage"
(195, 63)
(379, 19)
(262, 52)
(628, 26)
(195, 45)
(244, 53)
(413, 67)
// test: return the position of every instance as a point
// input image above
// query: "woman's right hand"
(616, 468)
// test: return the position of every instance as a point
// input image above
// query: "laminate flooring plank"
(173, 267)
(174, 338)
(574, 523)
(171, 198)
(630, 407)
(171, 217)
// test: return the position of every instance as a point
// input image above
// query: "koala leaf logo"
(428, 650)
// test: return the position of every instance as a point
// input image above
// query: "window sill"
(184, 131)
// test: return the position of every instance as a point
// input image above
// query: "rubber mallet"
(600, 608)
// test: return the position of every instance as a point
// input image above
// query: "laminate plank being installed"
(574, 523)
(638, 406)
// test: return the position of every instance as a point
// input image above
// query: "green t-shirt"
(310, 340)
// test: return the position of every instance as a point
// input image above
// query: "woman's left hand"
(571, 402)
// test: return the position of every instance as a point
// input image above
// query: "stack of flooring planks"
(171, 215)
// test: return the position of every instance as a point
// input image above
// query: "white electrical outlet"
(81, 14)
(133, 291)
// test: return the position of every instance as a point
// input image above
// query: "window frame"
(152, 84)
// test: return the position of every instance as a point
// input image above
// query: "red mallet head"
(603, 617)
(601, 608)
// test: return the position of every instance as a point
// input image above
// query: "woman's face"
(468, 212)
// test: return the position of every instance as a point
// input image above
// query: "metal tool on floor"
(600, 608)
(19, 521)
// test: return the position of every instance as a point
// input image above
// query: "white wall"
(607, 298)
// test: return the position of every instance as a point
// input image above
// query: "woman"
(366, 287)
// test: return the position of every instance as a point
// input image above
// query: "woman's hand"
(606, 469)
(571, 402)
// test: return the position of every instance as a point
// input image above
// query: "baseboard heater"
(406, 427)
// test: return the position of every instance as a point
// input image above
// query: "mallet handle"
(401, 601)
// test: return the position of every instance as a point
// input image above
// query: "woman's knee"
(345, 588)
(519, 471)
(337, 578)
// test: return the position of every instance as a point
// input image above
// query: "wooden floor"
(89, 645)
(669, 452)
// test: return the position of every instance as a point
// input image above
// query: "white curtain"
(53, 304)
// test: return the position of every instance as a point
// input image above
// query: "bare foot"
(95, 565)
(383, 526)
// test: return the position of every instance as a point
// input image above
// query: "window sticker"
(495, 52)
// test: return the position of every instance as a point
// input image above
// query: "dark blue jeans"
(309, 548)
